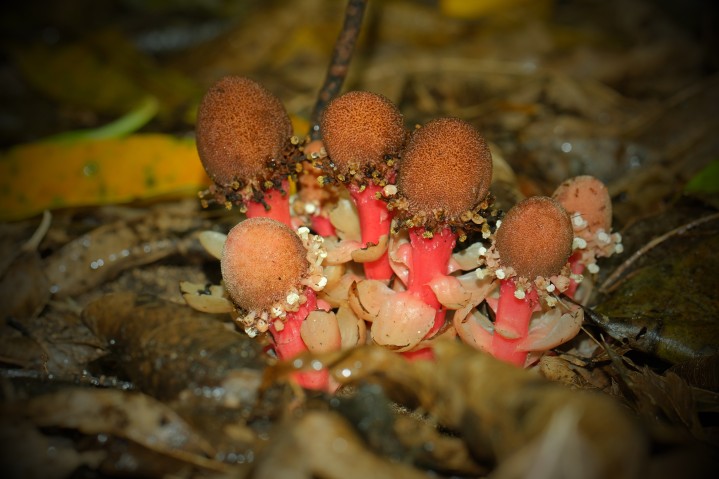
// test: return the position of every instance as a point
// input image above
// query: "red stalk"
(289, 344)
(423, 354)
(276, 205)
(577, 268)
(430, 258)
(513, 316)
(322, 226)
(375, 221)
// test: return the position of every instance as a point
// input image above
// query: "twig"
(339, 65)
(652, 244)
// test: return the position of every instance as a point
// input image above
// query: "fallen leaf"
(40, 176)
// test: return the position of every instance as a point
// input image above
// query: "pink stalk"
(289, 344)
(375, 222)
(423, 354)
(513, 316)
(322, 226)
(430, 258)
(276, 205)
(577, 267)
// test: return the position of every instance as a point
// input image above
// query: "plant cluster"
(377, 234)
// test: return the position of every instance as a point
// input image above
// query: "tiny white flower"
(593, 268)
(499, 274)
(578, 221)
(579, 243)
(293, 298)
(519, 294)
(389, 190)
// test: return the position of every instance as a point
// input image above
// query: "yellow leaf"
(473, 9)
(50, 175)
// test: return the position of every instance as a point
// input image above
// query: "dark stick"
(337, 70)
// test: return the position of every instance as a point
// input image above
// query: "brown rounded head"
(262, 262)
(360, 129)
(588, 196)
(446, 167)
(535, 238)
(240, 127)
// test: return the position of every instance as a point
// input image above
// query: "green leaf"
(706, 182)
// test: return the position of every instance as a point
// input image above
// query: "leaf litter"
(106, 371)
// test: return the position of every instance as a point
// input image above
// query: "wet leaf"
(40, 176)
(130, 415)
(93, 258)
(167, 348)
(666, 304)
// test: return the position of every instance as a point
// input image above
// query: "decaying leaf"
(208, 298)
(119, 414)
(334, 451)
(501, 410)
(665, 401)
(24, 452)
(101, 254)
(24, 288)
(130, 415)
(167, 348)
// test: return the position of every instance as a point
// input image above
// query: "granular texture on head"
(588, 196)
(447, 166)
(360, 128)
(263, 260)
(240, 126)
(535, 238)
